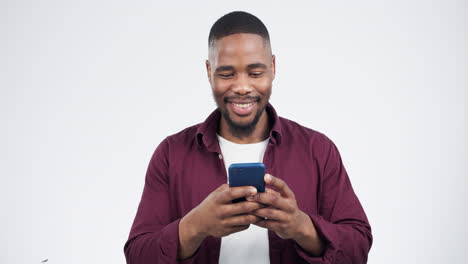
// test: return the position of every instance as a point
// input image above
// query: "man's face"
(241, 69)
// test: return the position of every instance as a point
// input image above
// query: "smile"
(243, 105)
(242, 108)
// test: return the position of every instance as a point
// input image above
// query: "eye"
(225, 75)
(256, 74)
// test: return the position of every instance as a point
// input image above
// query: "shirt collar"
(206, 132)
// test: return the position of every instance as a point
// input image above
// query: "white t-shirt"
(251, 245)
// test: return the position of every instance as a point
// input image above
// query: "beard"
(244, 130)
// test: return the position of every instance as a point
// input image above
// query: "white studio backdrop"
(90, 88)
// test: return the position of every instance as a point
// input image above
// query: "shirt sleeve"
(341, 222)
(154, 236)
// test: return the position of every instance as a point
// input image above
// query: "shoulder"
(293, 131)
(181, 142)
(176, 144)
(184, 136)
(311, 143)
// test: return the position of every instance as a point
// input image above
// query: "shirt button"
(220, 156)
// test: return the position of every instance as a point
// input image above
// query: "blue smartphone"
(247, 174)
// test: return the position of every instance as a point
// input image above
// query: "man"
(309, 213)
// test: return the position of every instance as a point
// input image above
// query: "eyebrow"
(256, 65)
(224, 68)
(250, 66)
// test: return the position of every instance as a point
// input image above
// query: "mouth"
(242, 108)
(243, 105)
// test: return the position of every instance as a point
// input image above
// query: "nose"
(242, 85)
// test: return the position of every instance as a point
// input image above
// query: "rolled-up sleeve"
(154, 236)
(341, 222)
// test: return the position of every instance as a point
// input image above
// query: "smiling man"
(309, 212)
(241, 69)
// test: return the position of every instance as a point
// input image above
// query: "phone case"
(247, 174)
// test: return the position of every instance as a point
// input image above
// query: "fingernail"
(250, 198)
(267, 177)
(253, 191)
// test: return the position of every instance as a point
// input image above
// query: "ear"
(208, 69)
(273, 66)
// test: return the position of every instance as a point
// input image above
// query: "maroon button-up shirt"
(188, 166)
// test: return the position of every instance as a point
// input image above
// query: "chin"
(244, 123)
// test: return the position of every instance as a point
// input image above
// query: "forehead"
(240, 48)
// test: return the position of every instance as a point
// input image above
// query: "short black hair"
(237, 22)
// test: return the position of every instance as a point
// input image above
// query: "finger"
(240, 208)
(271, 214)
(280, 185)
(239, 220)
(268, 190)
(229, 194)
(222, 187)
(274, 200)
(269, 224)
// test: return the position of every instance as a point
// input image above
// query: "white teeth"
(243, 105)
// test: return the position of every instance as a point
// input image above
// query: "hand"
(217, 216)
(282, 215)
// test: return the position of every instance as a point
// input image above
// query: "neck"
(259, 134)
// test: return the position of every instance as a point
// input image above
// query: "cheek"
(264, 86)
(220, 88)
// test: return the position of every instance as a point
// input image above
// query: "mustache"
(249, 98)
